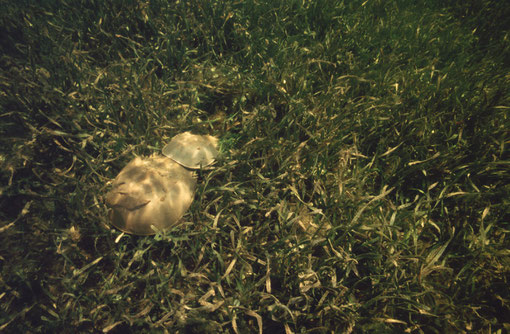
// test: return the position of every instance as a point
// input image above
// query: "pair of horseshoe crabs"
(152, 194)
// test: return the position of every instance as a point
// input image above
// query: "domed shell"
(192, 151)
(150, 195)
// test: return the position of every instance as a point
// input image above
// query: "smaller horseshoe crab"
(192, 151)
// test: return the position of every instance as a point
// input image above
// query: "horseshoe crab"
(150, 195)
(192, 151)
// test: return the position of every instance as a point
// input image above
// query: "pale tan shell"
(192, 151)
(149, 195)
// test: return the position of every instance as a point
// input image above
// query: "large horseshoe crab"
(152, 194)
